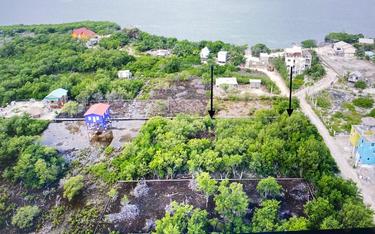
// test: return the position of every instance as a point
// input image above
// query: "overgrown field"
(35, 60)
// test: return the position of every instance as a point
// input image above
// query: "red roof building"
(98, 117)
(97, 109)
(83, 33)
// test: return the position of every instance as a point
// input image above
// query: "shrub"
(360, 84)
(364, 102)
(71, 108)
(323, 101)
(25, 216)
(73, 186)
(109, 150)
(5, 206)
(268, 187)
(372, 113)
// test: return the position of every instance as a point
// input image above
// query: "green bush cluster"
(25, 216)
(364, 102)
(24, 160)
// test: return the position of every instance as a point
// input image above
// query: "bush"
(372, 113)
(360, 84)
(364, 102)
(25, 216)
(71, 108)
(73, 186)
(6, 206)
(269, 187)
(323, 101)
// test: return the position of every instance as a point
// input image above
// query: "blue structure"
(363, 139)
(97, 117)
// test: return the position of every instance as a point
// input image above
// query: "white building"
(298, 58)
(222, 57)
(367, 41)
(163, 53)
(264, 58)
(231, 81)
(124, 74)
(255, 83)
(205, 52)
(344, 49)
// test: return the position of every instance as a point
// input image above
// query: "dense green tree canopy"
(259, 48)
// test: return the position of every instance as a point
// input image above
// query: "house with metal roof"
(57, 98)
(83, 33)
(362, 138)
(97, 117)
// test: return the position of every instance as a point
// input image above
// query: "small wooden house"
(97, 117)
(57, 98)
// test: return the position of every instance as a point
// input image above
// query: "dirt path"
(277, 79)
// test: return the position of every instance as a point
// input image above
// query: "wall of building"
(365, 152)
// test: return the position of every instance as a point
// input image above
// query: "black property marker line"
(211, 112)
(290, 110)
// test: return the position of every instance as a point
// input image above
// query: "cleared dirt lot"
(343, 65)
(75, 136)
(36, 109)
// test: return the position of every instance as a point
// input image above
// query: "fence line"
(188, 179)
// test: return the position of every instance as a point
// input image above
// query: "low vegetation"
(364, 102)
(25, 216)
(24, 160)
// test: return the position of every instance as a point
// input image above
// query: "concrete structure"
(163, 53)
(205, 52)
(231, 81)
(366, 41)
(298, 58)
(97, 117)
(57, 98)
(124, 74)
(253, 61)
(92, 42)
(255, 83)
(83, 34)
(222, 57)
(344, 49)
(355, 76)
(362, 138)
(264, 59)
